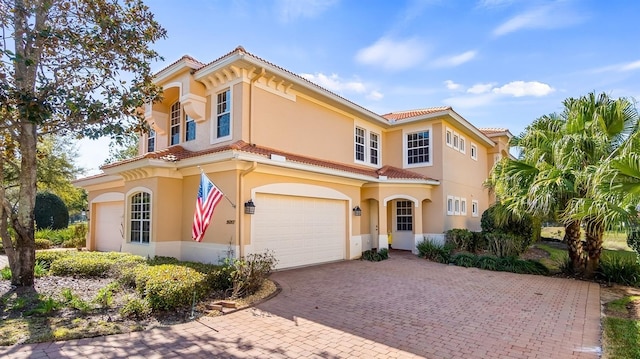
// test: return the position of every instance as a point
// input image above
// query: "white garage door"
(300, 230)
(109, 226)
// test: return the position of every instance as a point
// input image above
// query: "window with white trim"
(151, 140)
(189, 128)
(462, 145)
(359, 144)
(404, 216)
(418, 150)
(223, 114)
(449, 137)
(175, 118)
(456, 139)
(463, 206)
(374, 144)
(140, 217)
(474, 152)
(456, 206)
(474, 208)
(450, 205)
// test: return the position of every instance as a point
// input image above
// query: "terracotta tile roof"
(492, 130)
(403, 115)
(177, 153)
(195, 62)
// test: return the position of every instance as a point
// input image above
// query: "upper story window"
(449, 138)
(359, 143)
(418, 150)
(474, 208)
(463, 206)
(175, 117)
(189, 128)
(140, 217)
(151, 140)
(456, 140)
(474, 152)
(223, 114)
(374, 143)
(462, 145)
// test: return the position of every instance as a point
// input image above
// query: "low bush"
(249, 273)
(488, 262)
(104, 297)
(619, 269)
(5, 273)
(461, 238)
(375, 256)
(57, 236)
(83, 266)
(464, 259)
(42, 243)
(48, 257)
(433, 251)
(503, 244)
(169, 286)
(521, 266)
(135, 308)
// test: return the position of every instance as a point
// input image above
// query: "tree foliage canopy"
(72, 68)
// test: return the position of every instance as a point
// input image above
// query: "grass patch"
(621, 337)
(620, 305)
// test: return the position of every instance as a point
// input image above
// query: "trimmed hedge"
(169, 286)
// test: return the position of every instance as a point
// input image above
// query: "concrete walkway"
(404, 307)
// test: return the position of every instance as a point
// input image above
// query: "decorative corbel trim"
(194, 106)
(158, 121)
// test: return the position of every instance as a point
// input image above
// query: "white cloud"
(336, 84)
(452, 85)
(480, 88)
(293, 9)
(551, 16)
(455, 60)
(521, 88)
(470, 101)
(393, 54)
(375, 96)
(628, 66)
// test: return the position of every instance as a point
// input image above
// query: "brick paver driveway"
(402, 307)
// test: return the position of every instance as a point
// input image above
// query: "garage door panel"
(300, 230)
(109, 226)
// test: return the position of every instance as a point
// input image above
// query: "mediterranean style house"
(307, 173)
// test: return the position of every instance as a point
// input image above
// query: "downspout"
(252, 168)
(253, 80)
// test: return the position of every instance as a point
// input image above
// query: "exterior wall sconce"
(249, 207)
(357, 211)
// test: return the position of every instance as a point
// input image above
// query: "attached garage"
(108, 232)
(300, 230)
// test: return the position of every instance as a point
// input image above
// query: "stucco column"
(382, 226)
(417, 226)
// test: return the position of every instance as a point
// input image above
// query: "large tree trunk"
(593, 234)
(574, 244)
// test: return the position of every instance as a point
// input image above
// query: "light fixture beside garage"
(357, 211)
(249, 207)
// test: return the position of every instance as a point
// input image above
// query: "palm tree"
(561, 171)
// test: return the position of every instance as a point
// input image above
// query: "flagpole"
(224, 195)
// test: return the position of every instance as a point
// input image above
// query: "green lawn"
(612, 240)
(622, 338)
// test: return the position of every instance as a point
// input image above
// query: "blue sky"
(498, 63)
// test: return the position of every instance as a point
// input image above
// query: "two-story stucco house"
(328, 178)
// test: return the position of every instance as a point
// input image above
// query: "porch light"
(357, 211)
(249, 207)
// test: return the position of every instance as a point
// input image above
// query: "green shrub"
(507, 264)
(81, 266)
(50, 211)
(516, 265)
(433, 251)
(42, 243)
(5, 273)
(48, 257)
(375, 256)
(73, 301)
(503, 244)
(619, 269)
(40, 269)
(633, 240)
(464, 259)
(461, 238)
(169, 286)
(479, 242)
(135, 308)
(247, 274)
(104, 297)
(488, 262)
(46, 305)
(75, 243)
(57, 236)
(498, 219)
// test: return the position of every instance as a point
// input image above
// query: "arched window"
(175, 118)
(140, 217)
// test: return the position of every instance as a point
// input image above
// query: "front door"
(402, 235)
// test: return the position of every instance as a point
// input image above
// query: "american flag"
(208, 198)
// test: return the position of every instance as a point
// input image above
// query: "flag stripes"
(208, 198)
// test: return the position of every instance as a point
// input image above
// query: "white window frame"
(463, 206)
(215, 115)
(456, 206)
(405, 147)
(360, 144)
(474, 151)
(448, 137)
(187, 121)
(151, 138)
(456, 140)
(374, 148)
(175, 121)
(475, 209)
(450, 205)
(462, 144)
(130, 195)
